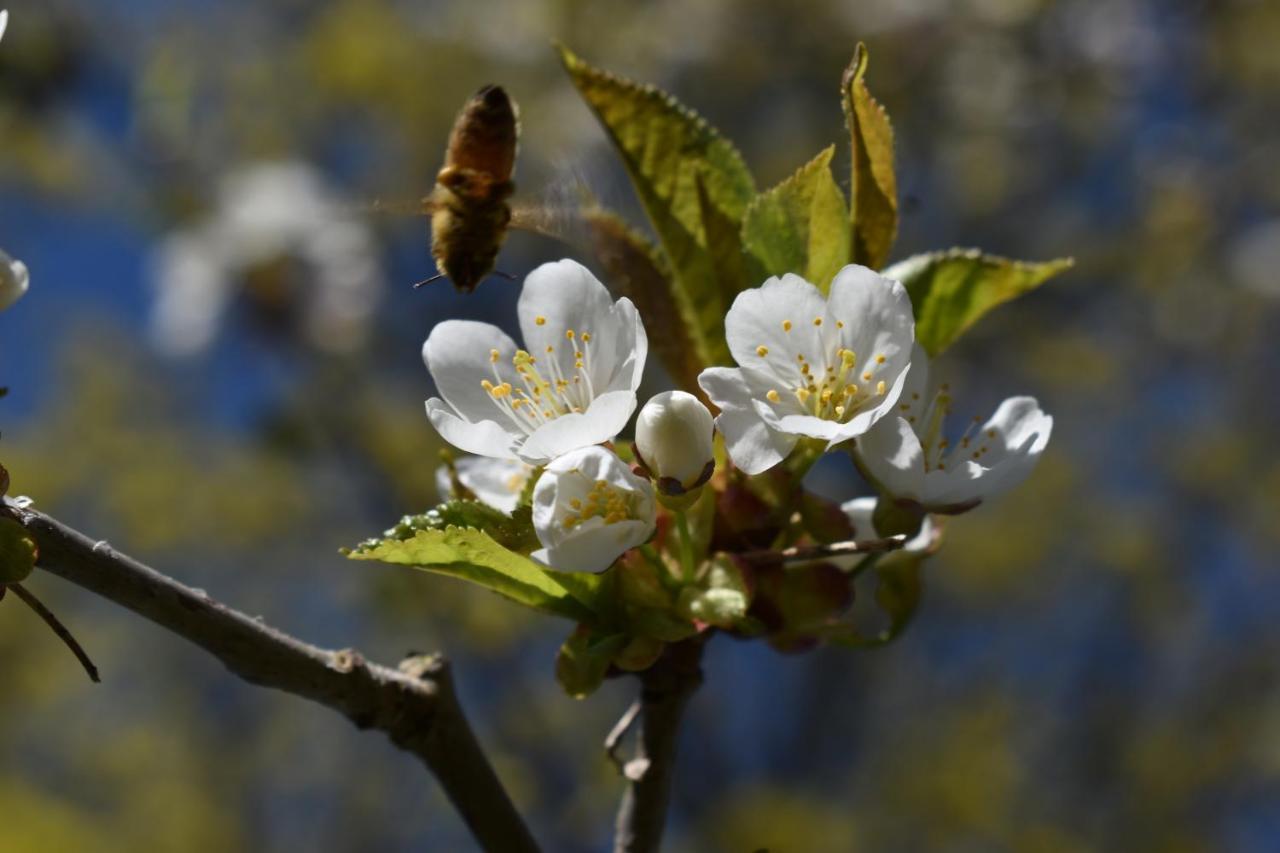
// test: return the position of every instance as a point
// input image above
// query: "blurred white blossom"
(14, 279)
(280, 228)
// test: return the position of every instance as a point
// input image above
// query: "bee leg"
(435, 277)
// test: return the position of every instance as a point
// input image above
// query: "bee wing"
(563, 222)
(399, 207)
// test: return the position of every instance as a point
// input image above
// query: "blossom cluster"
(815, 373)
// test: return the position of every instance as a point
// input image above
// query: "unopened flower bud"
(674, 441)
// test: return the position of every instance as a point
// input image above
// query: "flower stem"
(687, 562)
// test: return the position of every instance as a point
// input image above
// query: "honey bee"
(469, 207)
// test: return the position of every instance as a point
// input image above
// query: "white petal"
(860, 511)
(633, 342)
(457, 353)
(958, 483)
(891, 454)
(594, 545)
(565, 296)
(4, 21)
(1022, 433)
(485, 438)
(752, 444)
(877, 321)
(601, 422)
(496, 482)
(769, 326)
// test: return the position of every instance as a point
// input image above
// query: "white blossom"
(589, 508)
(496, 482)
(268, 214)
(14, 278)
(573, 386)
(825, 368)
(674, 439)
(910, 458)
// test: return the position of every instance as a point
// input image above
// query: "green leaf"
(474, 556)
(584, 660)
(952, 290)
(874, 203)
(689, 179)
(17, 552)
(898, 593)
(800, 225)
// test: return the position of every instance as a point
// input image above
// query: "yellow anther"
(550, 348)
(586, 337)
(991, 433)
(817, 321)
(568, 333)
(839, 411)
(839, 324)
(578, 364)
(577, 355)
(879, 359)
(575, 503)
(786, 325)
(802, 394)
(881, 387)
(540, 320)
(772, 396)
(847, 358)
(762, 350)
(494, 356)
(486, 385)
(826, 396)
(851, 390)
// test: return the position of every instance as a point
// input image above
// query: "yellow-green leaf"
(474, 556)
(17, 552)
(801, 225)
(873, 206)
(952, 290)
(668, 151)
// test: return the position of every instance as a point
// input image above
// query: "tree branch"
(805, 553)
(415, 705)
(665, 689)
